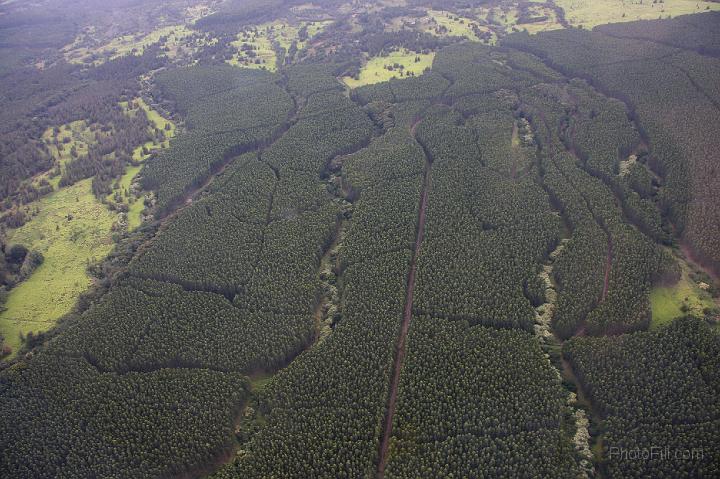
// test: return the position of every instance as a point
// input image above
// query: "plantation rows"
(601, 134)
(476, 69)
(324, 412)
(485, 234)
(493, 129)
(692, 32)
(227, 233)
(655, 390)
(61, 418)
(601, 238)
(385, 177)
(430, 85)
(227, 111)
(143, 325)
(149, 380)
(261, 232)
(315, 139)
(245, 259)
(660, 90)
(476, 401)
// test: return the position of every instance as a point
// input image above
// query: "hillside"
(390, 239)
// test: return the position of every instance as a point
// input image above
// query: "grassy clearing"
(507, 18)
(403, 63)
(123, 191)
(71, 229)
(174, 40)
(589, 13)
(60, 142)
(285, 33)
(686, 297)
(67, 143)
(442, 23)
(255, 44)
(254, 50)
(447, 23)
(547, 20)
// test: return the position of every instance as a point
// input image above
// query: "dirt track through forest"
(405, 326)
(608, 267)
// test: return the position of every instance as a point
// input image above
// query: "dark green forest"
(451, 274)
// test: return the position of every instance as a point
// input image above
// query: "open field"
(686, 297)
(254, 50)
(590, 13)
(446, 23)
(255, 45)
(174, 39)
(71, 229)
(508, 18)
(285, 33)
(442, 23)
(402, 62)
(123, 187)
(69, 142)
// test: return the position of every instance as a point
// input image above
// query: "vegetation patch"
(124, 190)
(506, 18)
(398, 64)
(254, 50)
(66, 143)
(443, 23)
(590, 13)
(174, 40)
(257, 46)
(687, 297)
(71, 230)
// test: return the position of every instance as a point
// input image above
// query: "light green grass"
(123, 185)
(589, 13)
(505, 18)
(375, 71)
(667, 301)
(454, 25)
(265, 53)
(285, 33)
(176, 39)
(67, 245)
(77, 134)
(262, 37)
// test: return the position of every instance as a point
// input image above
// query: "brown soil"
(405, 326)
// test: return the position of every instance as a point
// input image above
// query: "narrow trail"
(407, 316)
(608, 267)
(514, 144)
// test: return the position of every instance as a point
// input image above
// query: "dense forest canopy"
(392, 238)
